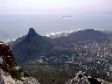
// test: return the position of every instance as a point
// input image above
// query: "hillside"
(33, 45)
(88, 34)
(83, 36)
(30, 46)
(58, 59)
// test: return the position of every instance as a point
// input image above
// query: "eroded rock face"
(82, 79)
(10, 73)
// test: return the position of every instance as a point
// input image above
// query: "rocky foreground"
(83, 78)
(10, 73)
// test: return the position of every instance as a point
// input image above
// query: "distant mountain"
(68, 47)
(10, 73)
(30, 46)
(88, 34)
(83, 36)
(33, 45)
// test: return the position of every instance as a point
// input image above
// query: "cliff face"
(10, 73)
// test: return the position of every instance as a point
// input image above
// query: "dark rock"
(93, 81)
(32, 32)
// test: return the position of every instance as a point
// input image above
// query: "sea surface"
(13, 26)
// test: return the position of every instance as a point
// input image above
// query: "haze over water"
(17, 16)
(18, 25)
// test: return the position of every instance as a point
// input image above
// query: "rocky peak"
(32, 35)
(32, 32)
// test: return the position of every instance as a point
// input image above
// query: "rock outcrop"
(82, 78)
(10, 73)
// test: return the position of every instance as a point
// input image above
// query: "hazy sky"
(54, 6)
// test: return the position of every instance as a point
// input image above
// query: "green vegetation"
(49, 74)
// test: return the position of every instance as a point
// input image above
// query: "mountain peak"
(32, 32)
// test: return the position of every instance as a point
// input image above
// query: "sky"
(54, 6)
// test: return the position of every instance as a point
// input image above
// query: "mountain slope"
(82, 36)
(86, 50)
(30, 46)
(33, 45)
(88, 34)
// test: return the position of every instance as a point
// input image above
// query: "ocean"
(13, 26)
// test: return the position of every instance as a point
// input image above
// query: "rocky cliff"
(10, 73)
